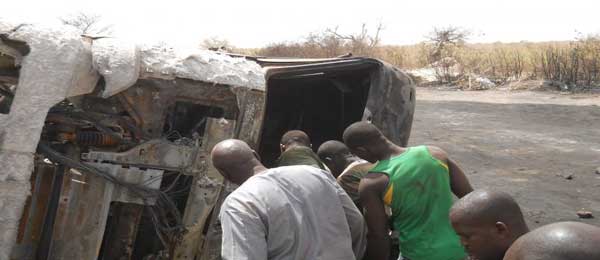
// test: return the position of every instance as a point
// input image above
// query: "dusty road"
(525, 143)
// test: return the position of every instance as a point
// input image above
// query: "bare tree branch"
(87, 23)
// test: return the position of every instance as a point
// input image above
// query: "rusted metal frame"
(204, 193)
(211, 248)
(123, 230)
(81, 217)
(126, 102)
(49, 232)
(252, 112)
(147, 107)
(45, 244)
(252, 105)
(32, 220)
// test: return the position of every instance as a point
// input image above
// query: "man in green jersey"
(417, 183)
(296, 150)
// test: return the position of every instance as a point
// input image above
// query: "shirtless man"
(487, 222)
(347, 168)
(417, 183)
(558, 241)
(291, 213)
(296, 149)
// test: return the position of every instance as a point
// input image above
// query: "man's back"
(294, 212)
(350, 178)
(420, 197)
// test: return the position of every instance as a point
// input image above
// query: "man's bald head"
(335, 155)
(488, 222)
(235, 160)
(558, 241)
(295, 137)
(486, 207)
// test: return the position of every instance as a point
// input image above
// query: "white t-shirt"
(291, 213)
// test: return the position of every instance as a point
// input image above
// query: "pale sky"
(255, 23)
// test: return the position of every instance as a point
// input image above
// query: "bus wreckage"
(104, 145)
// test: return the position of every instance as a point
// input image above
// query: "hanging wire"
(164, 213)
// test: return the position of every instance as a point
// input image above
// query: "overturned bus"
(104, 145)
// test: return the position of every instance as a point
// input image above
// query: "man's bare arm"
(371, 189)
(458, 180)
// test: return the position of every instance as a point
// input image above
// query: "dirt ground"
(525, 143)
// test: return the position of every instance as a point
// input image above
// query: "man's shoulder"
(355, 170)
(305, 174)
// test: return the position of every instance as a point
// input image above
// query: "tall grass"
(575, 63)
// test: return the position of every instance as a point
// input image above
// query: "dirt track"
(524, 143)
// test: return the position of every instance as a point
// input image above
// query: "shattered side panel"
(391, 103)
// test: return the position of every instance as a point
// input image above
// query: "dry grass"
(574, 63)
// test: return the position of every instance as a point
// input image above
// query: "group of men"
(354, 200)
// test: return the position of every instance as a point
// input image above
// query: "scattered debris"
(585, 214)
(568, 176)
(423, 75)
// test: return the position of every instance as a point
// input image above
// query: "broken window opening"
(187, 121)
(321, 104)
(177, 186)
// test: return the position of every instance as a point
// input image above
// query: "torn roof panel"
(123, 63)
(203, 65)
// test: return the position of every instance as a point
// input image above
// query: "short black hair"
(295, 136)
(332, 148)
(360, 134)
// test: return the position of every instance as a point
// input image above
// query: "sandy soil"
(525, 143)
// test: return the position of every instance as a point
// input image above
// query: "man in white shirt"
(292, 212)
